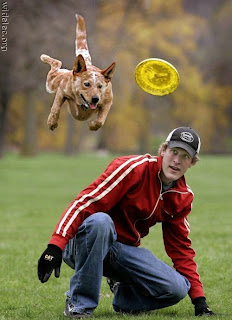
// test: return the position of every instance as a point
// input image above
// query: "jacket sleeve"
(99, 196)
(178, 248)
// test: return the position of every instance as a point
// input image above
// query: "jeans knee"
(180, 289)
(178, 295)
(101, 223)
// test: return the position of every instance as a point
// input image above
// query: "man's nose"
(177, 159)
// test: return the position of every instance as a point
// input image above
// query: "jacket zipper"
(159, 198)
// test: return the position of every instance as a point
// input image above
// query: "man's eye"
(186, 157)
(86, 84)
(174, 151)
(100, 86)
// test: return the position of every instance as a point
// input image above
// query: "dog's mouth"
(86, 105)
(93, 106)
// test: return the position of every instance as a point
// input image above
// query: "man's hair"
(164, 146)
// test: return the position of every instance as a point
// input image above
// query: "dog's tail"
(56, 64)
(81, 46)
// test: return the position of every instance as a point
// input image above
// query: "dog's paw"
(53, 126)
(52, 123)
(95, 125)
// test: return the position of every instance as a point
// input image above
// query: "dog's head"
(91, 84)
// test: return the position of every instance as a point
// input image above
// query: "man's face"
(175, 163)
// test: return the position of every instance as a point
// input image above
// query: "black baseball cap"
(185, 138)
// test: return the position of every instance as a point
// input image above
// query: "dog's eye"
(86, 84)
(100, 86)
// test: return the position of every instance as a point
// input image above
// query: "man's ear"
(79, 65)
(108, 72)
(162, 152)
(192, 164)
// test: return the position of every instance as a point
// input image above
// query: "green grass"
(35, 191)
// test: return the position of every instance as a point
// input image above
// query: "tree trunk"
(29, 146)
(69, 148)
(3, 112)
(5, 86)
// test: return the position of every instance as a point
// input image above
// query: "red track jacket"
(130, 191)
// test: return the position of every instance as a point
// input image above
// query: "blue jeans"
(146, 283)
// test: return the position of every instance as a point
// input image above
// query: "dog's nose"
(95, 99)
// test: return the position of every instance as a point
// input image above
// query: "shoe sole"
(76, 316)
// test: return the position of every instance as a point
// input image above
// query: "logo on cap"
(187, 137)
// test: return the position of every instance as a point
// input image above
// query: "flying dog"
(86, 88)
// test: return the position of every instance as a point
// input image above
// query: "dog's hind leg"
(55, 110)
(81, 46)
(54, 63)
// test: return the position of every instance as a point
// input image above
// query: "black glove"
(50, 260)
(201, 307)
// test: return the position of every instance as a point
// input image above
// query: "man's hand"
(201, 307)
(50, 260)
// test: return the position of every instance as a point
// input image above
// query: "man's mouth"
(174, 168)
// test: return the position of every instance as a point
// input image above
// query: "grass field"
(35, 191)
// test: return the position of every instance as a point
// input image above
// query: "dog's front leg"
(55, 110)
(101, 118)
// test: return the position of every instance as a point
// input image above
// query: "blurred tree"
(213, 58)
(193, 35)
(5, 93)
(143, 29)
(45, 29)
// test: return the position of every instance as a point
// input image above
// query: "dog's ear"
(108, 72)
(79, 65)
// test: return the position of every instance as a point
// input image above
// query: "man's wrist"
(55, 248)
(199, 300)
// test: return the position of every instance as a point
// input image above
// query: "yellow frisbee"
(157, 76)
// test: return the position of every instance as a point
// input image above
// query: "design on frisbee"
(157, 76)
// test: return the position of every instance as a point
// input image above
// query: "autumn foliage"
(194, 39)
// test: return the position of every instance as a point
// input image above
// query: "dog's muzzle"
(86, 105)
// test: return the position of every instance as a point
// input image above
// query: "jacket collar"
(180, 184)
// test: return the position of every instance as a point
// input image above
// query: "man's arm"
(178, 248)
(100, 196)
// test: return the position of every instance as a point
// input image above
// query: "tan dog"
(86, 88)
